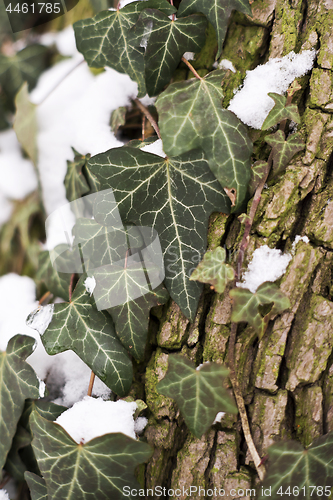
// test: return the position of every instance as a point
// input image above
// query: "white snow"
(189, 56)
(297, 239)
(64, 41)
(41, 318)
(224, 64)
(42, 387)
(251, 103)
(146, 34)
(219, 417)
(156, 148)
(92, 417)
(267, 264)
(90, 284)
(4, 495)
(139, 424)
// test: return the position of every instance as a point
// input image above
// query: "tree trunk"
(287, 378)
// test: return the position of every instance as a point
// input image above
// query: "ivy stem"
(189, 65)
(44, 297)
(149, 116)
(143, 128)
(91, 383)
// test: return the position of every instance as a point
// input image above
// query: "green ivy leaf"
(217, 12)
(167, 40)
(291, 466)
(199, 394)
(213, 270)
(281, 111)
(97, 470)
(56, 282)
(118, 118)
(258, 170)
(246, 305)
(25, 123)
(103, 39)
(75, 182)
(191, 116)
(19, 382)
(78, 326)
(187, 194)
(25, 66)
(37, 486)
(284, 150)
(14, 464)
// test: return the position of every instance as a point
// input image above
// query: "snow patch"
(90, 284)
(251, 103)
(4, 495)
(189, 56)
(297, 239)
(42, 387)
(139, 424)
(91, 418)
(219, 417)
(267, 264)
(41, 318)
(156, 148)
(224, 64)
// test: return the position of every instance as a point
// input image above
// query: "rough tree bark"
(287, 378)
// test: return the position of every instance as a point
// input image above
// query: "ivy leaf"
(19, 382)
(97, 470)
(56, 282)
(37, 486)
(187, 194)
(283, 150)
(25, 123)
(14, 464)
(118, 118)
(75, 182)
(191, 116)
(167, 40)
(246, 305)
(291, 466)
(258, 170)
(103, 39)
(281, 111)
(199, 394)
(213, 270)
(25, 66)
(78, 326)
(131, 320)
(217, 12)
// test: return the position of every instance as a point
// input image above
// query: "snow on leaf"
(19, 382)
(258, 170)
(103, 39)
(191, 116)
(281, 111)
(37, 486)
(284, 150)
(246, 305)
(166, 43)
(199, 394)
(25, 123)
(290, 466)
(78, 326)
(217, 12)
(187, 194)
(75, 182)
(213, 270)
(109, 459)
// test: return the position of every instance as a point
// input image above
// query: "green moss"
(173, 330)
(159, 405)
(206, 57)
(216, 229)
(287, 19)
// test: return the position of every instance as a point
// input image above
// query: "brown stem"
(70, 289)
(143, 128)
(149, 116)
(91, 383)
(44, 297)
(189, 65)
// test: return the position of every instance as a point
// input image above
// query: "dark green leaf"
(187, 194)
(246, 305)
(283, 150)
(14, 464)
(213, 270)
(75, 182)
(25, 66)
(78, 326)
(199, 394)
(118, 118)
(97, 470)
(191, 116)
(56, 282)
(103, 40)
(19, 382)
(281, 111)
(166, 40)
(37, 486)
(305, 470)
(217, 12)
(25, 123)
(258, 170)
